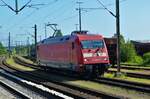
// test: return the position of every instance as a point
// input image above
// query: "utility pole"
(9, 44)
(28, 46)
(16, 48)
(118, 35)
(80, 24)
(117, 17)
(16, 2)
(80, 16)
(35, 37)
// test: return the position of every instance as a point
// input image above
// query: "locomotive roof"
(55, 39)
(62, 38)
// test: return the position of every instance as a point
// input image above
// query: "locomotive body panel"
(81, 53)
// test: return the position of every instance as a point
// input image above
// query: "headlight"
(105, 59)
(85, 60)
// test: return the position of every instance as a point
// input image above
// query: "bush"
(146, 58)
(128, 53)
(2, 49)
(138, 60)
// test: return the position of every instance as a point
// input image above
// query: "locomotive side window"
(42, 41)
(61, 39)
(67, 38)
(88, 44)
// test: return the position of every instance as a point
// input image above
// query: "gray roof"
(142, 41)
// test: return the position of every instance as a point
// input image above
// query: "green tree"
(2, 49)
(146, 58)
(122, 40)
(128, 52)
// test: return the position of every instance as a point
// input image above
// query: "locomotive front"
(95, 57)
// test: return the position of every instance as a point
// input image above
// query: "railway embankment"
(97, 86)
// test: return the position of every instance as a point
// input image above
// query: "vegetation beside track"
(11, 62)
(133, 67)
(109, 89)
(124, 77)
(104, 88)
(129, 54)
(3, 50)
(138, 71)
(146, 58)
(109, 75)
(25, 60)
(135, 64)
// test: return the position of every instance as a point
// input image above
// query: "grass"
(140, 71)
(109, 89)
(135, 64)
(138, 67)
(109, 75)
(11, 62)
(26, 60)
(124, 77)
(96, 86)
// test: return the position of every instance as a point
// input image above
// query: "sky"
(134, 19)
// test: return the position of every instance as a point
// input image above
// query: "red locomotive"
(79, 52)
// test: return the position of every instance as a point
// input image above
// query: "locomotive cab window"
(92, 44)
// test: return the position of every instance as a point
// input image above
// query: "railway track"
(132, 67)
(130, 74)
(30, 89)
(26, 89)
(124, 84)
(14, 91)
(135, 75)
(67, 89)
(114, 82)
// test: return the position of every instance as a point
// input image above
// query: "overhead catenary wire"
(85, 10)
(5, 4)
(42, 5)
(16, 10)
(75, 15)
(24, 5)
(14, 25)
(65, 11)
(112, 4)
(33, 12)
(64, 19)
(58, 10)
(56, 13)
(100, 2)
(105, 6)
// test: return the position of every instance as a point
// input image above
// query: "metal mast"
(118, 35)
(80, 24)
(9, 44)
